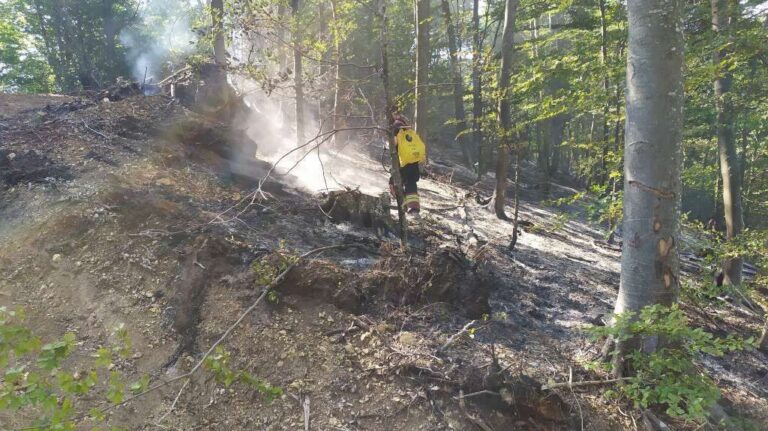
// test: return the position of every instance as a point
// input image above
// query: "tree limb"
(582, 383)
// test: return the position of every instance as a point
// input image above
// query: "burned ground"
(123, 217)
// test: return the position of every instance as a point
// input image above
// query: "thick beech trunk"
(653, 156)
(219, 45)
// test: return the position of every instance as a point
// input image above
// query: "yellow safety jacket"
(410, 147)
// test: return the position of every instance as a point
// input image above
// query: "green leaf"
(103, 357)
(116, 388)
(96, 414)
(141, 385)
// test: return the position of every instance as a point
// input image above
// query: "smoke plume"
(163, 38)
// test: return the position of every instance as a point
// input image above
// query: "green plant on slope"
(669, 376)
(43, 390)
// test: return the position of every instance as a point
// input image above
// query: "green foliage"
(601, 204)
(218, 364)
(39, 382)
(270, 266)
(751, 245)
(607, 207)
(22, 67)
(669, 376)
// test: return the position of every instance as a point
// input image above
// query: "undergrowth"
(669, 376)
(601, 205)
(45, 391)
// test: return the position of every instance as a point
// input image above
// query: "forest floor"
(109, 218)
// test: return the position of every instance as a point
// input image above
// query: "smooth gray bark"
(505, 110)
(726, 142)
(653, 157)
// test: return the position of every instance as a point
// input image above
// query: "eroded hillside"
(114, 214)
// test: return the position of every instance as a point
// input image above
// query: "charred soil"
(132, 212)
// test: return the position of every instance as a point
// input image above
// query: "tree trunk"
(337, 69)
(542, 141)
(762, 343)
(282, 57)
(543, 128)
(556, 164)
(390, 110)
(604, 61)
(513, 241)
(477, 91)
(422, 67)
(726, 142)
(505, 110)
(556, 136)
(652, 148)
(298, 82)
(458, 86)
(219, 45)
(324, 105)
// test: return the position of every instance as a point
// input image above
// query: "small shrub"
(218, 364)
(38, 383)
(669, 377)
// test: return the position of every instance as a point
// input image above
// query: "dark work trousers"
(410, 176)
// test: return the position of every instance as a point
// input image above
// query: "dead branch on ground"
(455, 336)
(571, 384)
(95, 131)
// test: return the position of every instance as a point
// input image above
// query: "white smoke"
(315, 167)
(163, 38)
(166, 35)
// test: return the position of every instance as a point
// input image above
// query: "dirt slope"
(111, 216)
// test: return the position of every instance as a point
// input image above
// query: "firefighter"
(411, 151)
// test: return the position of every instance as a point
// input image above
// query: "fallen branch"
(474, 394)
(456, 335)
(250, 199)
(305, 405)
(95, 131)
(582, 383)
(463, 405)
(173, 75)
